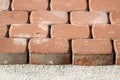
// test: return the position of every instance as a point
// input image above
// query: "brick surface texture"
(57, 32)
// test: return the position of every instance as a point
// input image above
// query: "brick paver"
(77, 32)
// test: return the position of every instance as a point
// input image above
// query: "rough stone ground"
(58, 72)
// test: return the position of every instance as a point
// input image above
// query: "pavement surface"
(59, 72)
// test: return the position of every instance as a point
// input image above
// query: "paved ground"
(66, 72)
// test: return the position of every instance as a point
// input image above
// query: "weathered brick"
(3, 30)
(78, 18)
(106, 31)
(13, 51)
(49, 51)
(117, 51)
(4, 4)
(92, 52)
(48, 17)
(29, 5)
(69, 31)
(115, 17)
(68, 5)
(104, 5)
(13, 17)
(28, 30)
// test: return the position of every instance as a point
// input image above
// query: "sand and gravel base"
(59, 72)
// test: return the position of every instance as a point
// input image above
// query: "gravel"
(59, 72)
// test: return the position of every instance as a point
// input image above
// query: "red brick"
(68, 5)
(78, 18)
(115, 17)
(3, 30)
(49, 51)
(117, 51)
(69, 31)
(4, 4)
(48, 17)
(104, 5)
(13, 51)
(13, 17)
(91, 46)
(92, 52)
(28, 30)
(12, 45)
(46, 45)
(106, 31)
(29, 5)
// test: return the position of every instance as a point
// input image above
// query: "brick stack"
(78, 32)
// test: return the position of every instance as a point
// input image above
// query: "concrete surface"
(63, 72)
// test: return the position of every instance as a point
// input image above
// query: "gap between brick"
(8, 30)
(70, 49)
(10, 8)
(114, 55)
(27, 49)
(69, 22)
(88, 8)
(49, 31)
(49, 2)
(90, 29)
(108, 14)
(29, 13)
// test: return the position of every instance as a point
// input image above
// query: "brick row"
(53, 17)
(58, 17)
(57, 51)
(85, 51)
(66, 31)
(42, 31)
(66, 5)
(76, 17)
